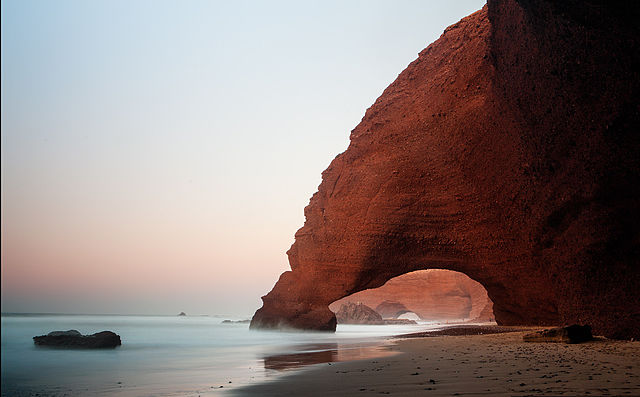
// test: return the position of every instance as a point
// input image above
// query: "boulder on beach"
(571, 334)
(74, 339)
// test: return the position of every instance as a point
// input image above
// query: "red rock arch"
(508, 151)
(430, 294)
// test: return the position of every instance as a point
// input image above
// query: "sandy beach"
(473, 365)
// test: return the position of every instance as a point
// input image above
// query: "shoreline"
(495, 363)
(467, 330)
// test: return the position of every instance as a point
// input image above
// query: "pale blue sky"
(157, 155)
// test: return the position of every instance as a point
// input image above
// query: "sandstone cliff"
(431, 294)
(508, 151)
(386, 308)
(357, 313)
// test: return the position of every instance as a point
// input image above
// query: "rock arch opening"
(424, 295)
(409, 316)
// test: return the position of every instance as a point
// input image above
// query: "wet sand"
(497, 364)
(324, 353)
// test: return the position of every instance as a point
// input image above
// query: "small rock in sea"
(182, 314)
(74, 339)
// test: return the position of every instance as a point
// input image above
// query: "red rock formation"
(485, 314)
(386, 308)
(509, 151)
(357, 313)
(431, 294)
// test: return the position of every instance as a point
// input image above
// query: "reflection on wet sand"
(323, 353)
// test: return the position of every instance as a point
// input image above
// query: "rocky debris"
(235, 322)
(570, 334)
(358, 313)
(74, 339)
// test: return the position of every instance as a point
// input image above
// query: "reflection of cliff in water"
(323, 353)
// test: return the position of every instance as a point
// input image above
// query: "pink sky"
(157, 156)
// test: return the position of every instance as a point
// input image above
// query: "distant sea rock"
(236, 322)
(182, 314)
(74, 339)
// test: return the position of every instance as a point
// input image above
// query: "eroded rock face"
(509, 151)
(485, 315)
(386, 308)
(357, 313)
(431, 294)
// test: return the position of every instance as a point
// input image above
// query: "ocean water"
(171, 355)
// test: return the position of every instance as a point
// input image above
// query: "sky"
(157, 155)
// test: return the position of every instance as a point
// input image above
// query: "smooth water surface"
(170, 355)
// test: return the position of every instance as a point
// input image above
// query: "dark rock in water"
(358, 313)
(182, 314)
(71, 332)
(74, 339)
(236, 322)
(571, 334)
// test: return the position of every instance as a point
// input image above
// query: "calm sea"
(170, 355)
